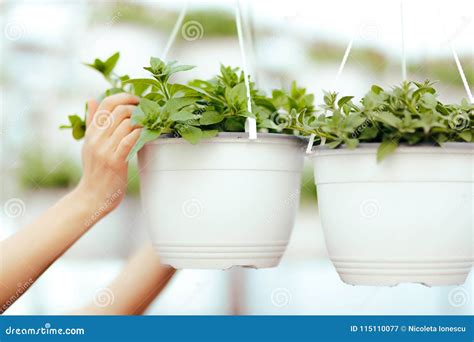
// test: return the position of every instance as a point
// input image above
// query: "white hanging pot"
(227, 201)
(408, 218)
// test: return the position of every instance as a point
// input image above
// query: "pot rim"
(236, 137)
(371, 148)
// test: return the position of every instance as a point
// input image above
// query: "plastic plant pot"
(408, 218)
(227, 201)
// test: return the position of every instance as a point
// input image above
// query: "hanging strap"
(309, 148)
(250, 123)
(461, 72)
(174, 32)
(402, 32)
(346, 56)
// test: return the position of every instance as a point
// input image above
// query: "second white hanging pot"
(408, 218)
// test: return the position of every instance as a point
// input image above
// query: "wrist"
(88, 204)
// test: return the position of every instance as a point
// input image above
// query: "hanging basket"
(406, 219)
(227, 201)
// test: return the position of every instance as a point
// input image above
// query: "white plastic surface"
(408, 218)
(227, 201)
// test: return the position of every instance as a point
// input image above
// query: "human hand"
(109, 138)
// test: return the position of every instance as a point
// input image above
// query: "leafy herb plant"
(200, 109)
(407, 114)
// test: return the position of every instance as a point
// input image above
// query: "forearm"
(137, 285)
(28, 253)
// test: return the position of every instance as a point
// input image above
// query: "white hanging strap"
(310, 143)
(174, 32)
(251, 123)
(461, 72)
(339, 72)
(344, 60)
(403, 56)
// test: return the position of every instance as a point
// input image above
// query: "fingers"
(126, 144)
(108, 115)
(92, 106)
(110, 102)
(120, 113)
(110, 125)
(121, 132)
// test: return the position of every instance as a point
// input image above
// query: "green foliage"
(410, 114)
(200, 109)
(407, 114)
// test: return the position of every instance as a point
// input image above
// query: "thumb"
(92, 106)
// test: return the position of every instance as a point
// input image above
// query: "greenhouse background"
(42, 80)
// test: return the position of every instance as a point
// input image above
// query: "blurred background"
(42, 80)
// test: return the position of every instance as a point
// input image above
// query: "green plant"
(409, 114)
(199, 109)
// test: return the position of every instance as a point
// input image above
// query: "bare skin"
(27, 254)
(133, 290)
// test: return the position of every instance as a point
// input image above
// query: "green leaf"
(113, 91)
(145, 136)
(353, 121)
(387, 147)
(466, 136)
(149, 107)
(156, 65)
(138, 117)
(190, 133)
(210, 118)
(238, 94)
(351, 143)
(143, 82)
(78, 126)
(368, 133)
(334, 144)
(234, 124)
(388, 118)
(176, 104)
(376, 89)
(110, 63)
(209, 134)
(343, 100)
(180, 68)
(429, 101)
(74, 119)
(182, 116)
(246, 114)
(78, 131)
(267, 123)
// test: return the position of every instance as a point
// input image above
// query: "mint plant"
(197, 110)
(407, 114)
